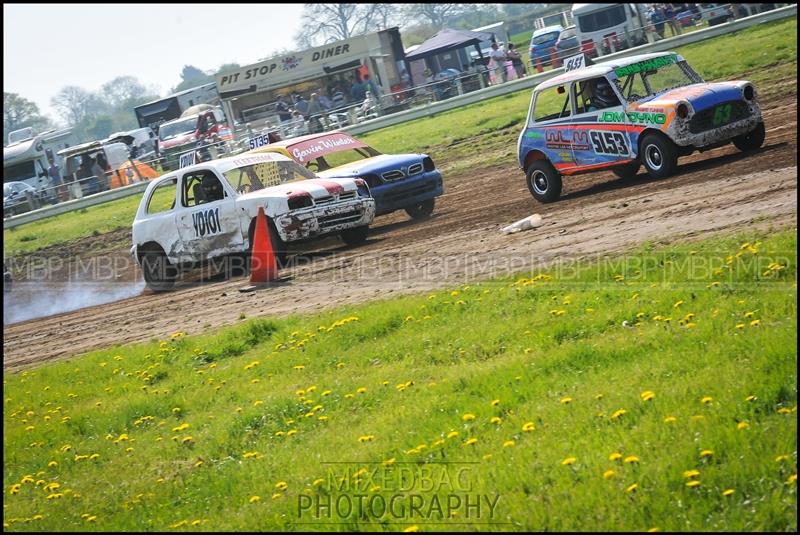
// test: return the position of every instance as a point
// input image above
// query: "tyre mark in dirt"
(598, 213)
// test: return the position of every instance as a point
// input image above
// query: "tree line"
(97, 114)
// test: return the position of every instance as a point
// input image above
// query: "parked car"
(542, 42)
(715, 13)
(407, 182)
(208, 210)
(20, 197)
(567, 43)
(646, 110)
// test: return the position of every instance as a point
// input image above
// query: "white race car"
(209, 210)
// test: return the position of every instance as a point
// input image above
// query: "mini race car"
(208, 210)
(647, 109)
(407, 182)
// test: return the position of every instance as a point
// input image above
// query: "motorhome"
(25, 156)
(608, 28)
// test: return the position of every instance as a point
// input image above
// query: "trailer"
(166, 109)
(25, 158)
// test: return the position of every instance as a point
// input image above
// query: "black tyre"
(659, 155)
(355, 236)
(543, 180)
(627, 171)
(159, 273)
(421, 210)
(751, 140)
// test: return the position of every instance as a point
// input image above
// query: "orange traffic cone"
(263, 265)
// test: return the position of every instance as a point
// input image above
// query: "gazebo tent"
(447, 40)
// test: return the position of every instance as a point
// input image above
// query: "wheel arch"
(643, 134)
(149, 247)
(534, 155)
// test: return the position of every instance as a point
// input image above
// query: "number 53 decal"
(612, 143)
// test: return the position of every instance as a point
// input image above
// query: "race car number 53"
(612, 143)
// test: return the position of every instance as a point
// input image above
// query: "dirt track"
(598, 213)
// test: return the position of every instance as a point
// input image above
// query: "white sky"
(48, 46)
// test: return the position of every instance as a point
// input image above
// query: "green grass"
(651, 321)
(480, 134)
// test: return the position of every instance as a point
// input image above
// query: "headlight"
(363, 189)
(427, 164)
(682, 110)
(749, 92)
(299, 201)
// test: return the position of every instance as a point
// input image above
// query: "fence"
(413, 103)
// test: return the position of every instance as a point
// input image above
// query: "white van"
(608, 28)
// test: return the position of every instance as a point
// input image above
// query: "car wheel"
(159, 273)
(751, 140)
(627, 171)
(421, 210)
(543, 180)
(659, 155)
(355, 236)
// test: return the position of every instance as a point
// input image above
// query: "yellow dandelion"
(740, 326)
(318, 482)
(706, 400)
(566, 400)
(291, 432)
(631, 459)
(742, 425)
(692, 484)
(496, 420)
(792, 479)
(508, 443)
(618, 414)
(781, 458)
(707, 453)
(257, 402)
(468, 417)
(755, 323)
(632, 488)
(568, 461)
(198, 464)
(14, 489)
(750, 398)
(670, 420)
(728, 492)
(677, 304)
(411, 529)
(452, 434)
(495, 402)
(647, 395)
(616, 456)
(608, 474)
(281, 485)
(528, 427)
(361, 390)
(254, 499)
(470, 442)
(366, 438)
(690, 473)
(654, 530)
(52, 464)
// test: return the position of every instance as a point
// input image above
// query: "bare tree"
(435, 14)
(325, 23)
(75, 104)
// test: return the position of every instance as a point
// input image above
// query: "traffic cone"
(263, 265)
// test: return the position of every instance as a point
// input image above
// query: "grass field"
(655, 390)
(763, 53)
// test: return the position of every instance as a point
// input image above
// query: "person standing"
(498, 58)
(54, 172)
(283, 110)
(674, 25)
(100, 173)
(357, 91)
(314, 114)
(516, 60)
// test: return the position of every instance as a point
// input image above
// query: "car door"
(602, 126)
(208, 224)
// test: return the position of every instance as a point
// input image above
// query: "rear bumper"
(394, 196)
(316, 221)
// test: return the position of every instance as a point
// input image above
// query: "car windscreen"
(170, 130)
(567, 34)
(253, 177)
(602, 19)
(653, 77)
(544, 38)
(19, 172)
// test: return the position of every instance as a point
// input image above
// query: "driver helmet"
(603, 93)
(211, 187)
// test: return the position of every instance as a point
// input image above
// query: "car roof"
(601, 69)
(547, 29)
(302, 139)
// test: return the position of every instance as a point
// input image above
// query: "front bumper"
(684, 137)
(316, 221)
(409, 191)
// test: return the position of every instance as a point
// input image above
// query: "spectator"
(100, 173)
(357, 90)
(85, 176)
(283, 110)
(370, 85)
(301, 104)
(516, 60)
(405, 78)
(54, 172)
(498, 59)
(314, 114)
(325, 102)
(339, 99)
(669, 14)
